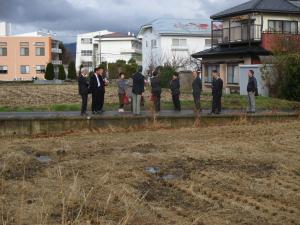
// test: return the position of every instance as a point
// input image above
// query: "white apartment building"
(171, 39)
(5, 28)
(111, 46)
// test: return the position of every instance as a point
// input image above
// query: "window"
(233, 74)
(3, 70)
(179, 42)
(40, 51)
(86, 52)
(25, 69)
(86, 40)
(24, 48)
(153, 44)
(3, 49)
(208, 73)
(39, 43)
(279, 26)
(207, 42)
(87, 64)
(40, 69)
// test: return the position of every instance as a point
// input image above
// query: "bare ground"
(239, 174)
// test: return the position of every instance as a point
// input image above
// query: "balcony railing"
(56, 62)
(56, 50)
(237, 34)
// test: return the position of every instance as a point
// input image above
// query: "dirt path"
(242, 174)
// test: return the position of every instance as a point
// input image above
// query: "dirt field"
(37, 95)
(239, 174)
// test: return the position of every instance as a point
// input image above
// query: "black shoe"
(94, 112)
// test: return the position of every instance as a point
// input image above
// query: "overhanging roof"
(267, 6)
(232, 51)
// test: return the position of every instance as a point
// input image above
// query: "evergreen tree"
(49, 74)
(61, 73)
(72, 71)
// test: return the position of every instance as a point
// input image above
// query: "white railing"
(56, 50)
(56, 62)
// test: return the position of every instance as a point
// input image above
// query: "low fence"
(58, 125)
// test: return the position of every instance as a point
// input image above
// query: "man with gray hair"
(83, 87)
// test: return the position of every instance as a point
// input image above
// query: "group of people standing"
(95, 86)
(97, 83)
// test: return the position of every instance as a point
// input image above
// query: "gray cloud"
(69, 17)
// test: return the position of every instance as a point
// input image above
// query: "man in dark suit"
(138, 87)
(103, 82)
(83, 87)
(217, 89)
(197, 89)
(97, 89)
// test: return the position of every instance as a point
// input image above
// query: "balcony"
(56, 62)
(237, 34)
(56, 50)
(131, 50)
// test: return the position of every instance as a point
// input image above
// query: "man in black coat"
(156, 90)
(83, 88)
(97, 88)
(217, 90)
(138, 87)
(252, 91)
(197, 89)
(175, 91)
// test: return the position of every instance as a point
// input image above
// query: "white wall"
(261, 85)
(113, 50)
(165, 51)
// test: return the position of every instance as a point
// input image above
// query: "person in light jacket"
(122, 87)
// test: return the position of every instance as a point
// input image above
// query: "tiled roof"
(225, 51)
(278, 6)
(116, 35)
(174, 26)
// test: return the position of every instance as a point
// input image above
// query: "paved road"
(164, 113)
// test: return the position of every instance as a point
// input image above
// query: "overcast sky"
(69, 17)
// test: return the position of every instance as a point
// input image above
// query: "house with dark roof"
(173, 40)
(244, 34)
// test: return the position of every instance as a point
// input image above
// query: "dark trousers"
(197, 101)
(101, 100)
(216, 104)
(121, 101)
(95, 101)
(84, 103)
(156, 101)
(176, 102)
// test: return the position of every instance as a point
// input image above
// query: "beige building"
(26, 57)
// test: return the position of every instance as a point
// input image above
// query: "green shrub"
(166, 74)
(49, 74)
(72, 71)
(61, 73)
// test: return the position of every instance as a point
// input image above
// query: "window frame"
(40, 70)
(208, 75)
(282, 22)
(233, 75)
(3, 66)
(26, 66)
(38, 54)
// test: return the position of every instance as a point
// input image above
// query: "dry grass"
(40, 95)
(239, 174)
